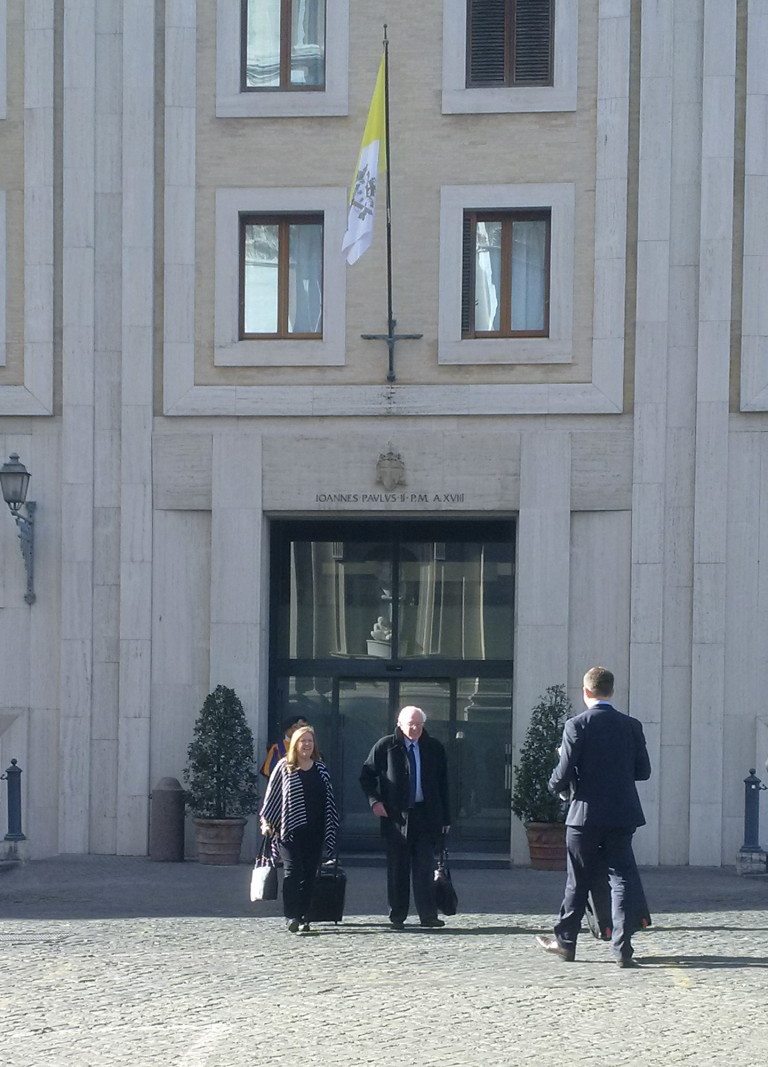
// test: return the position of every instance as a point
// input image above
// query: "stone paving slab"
(114, 961)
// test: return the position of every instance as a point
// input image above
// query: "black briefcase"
(327, 904)
(446, 898)
(598, 912)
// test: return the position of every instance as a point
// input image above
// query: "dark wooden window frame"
(507, 217)
(286, 85)
(510, 12)
(283, 222)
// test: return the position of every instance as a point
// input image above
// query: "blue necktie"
(412, 765)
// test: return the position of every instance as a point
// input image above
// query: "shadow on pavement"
(705, 962)
(119, 887)
(658, 928)
(462, 931)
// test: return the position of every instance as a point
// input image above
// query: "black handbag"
(264, 874)
(445, 895)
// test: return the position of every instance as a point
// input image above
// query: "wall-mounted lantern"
(14, 480)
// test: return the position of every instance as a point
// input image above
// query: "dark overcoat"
(385, 777)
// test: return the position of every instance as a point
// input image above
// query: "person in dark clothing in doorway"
(405, 778)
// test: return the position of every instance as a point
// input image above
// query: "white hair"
(411, 708)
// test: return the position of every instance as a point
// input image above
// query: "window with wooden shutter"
(283, 45)
(506, 273)
(509, 42)
(281, 276)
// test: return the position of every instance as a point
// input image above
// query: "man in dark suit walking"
(602, 755)
(405, 778)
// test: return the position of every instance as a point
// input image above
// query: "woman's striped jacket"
(284, 807)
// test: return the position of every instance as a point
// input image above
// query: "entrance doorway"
(367, 617)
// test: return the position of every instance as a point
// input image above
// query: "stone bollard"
(14, 851)
(166, 822)
(752, 859)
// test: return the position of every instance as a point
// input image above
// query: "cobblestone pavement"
(114, 961)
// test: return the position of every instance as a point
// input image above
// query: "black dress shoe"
(432, 922)
(397, 924)
(292, 925)
(628, 962)
(556, 948)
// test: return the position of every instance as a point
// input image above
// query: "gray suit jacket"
(603, 754)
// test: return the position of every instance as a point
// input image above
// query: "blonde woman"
(299, 812)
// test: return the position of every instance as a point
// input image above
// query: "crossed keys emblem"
(364, 193)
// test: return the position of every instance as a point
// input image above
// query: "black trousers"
(411, 857)
(301, 857)
(590, 849)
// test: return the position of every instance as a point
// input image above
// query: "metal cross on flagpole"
(390, 336)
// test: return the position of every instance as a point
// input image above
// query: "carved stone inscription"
(390, 473)
(389, 498)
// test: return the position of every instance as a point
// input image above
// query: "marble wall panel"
(484, 470)
(673, 783)
(43, 783)
(43, 458)
(708, 673)
(543, 583)
(133, 786)
(180, 635)
(181, 469)
(235, 644)
(103, 822)
(598, 624)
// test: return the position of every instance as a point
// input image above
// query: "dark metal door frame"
(397, 669)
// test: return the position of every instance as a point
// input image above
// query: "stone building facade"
(214, 507)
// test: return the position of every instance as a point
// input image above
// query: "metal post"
(752, 787)
(13, 777)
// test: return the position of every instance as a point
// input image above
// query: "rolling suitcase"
(598, 912)
(327, 905)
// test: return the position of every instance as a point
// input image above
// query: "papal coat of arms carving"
(390, 470)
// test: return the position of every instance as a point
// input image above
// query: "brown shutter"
(485, 42)
(533, 42)
(467, 273)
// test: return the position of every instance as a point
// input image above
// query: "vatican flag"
(362, 193)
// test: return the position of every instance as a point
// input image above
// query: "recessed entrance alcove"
(367, 616)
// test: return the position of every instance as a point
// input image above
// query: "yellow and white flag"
(362, 193)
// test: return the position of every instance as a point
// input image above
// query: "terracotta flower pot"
(219, 840)
(546, 843)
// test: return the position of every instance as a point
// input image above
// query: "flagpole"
(354, 232)
(390, 319)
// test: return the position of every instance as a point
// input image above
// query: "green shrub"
(531, 800)
(221, 778)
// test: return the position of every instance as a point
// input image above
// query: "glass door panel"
(456, 600)
(434, 699)
(311, 698)
(481, 762)
(337, 601)
(365, 714)
(368, 616)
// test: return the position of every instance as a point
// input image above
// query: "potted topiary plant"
(542, 813)
(221, 780)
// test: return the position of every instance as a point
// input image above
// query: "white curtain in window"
(529, 247)
(487, 275)
(263, 44)
(260, 296)
(305, 293)
(308, 42)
